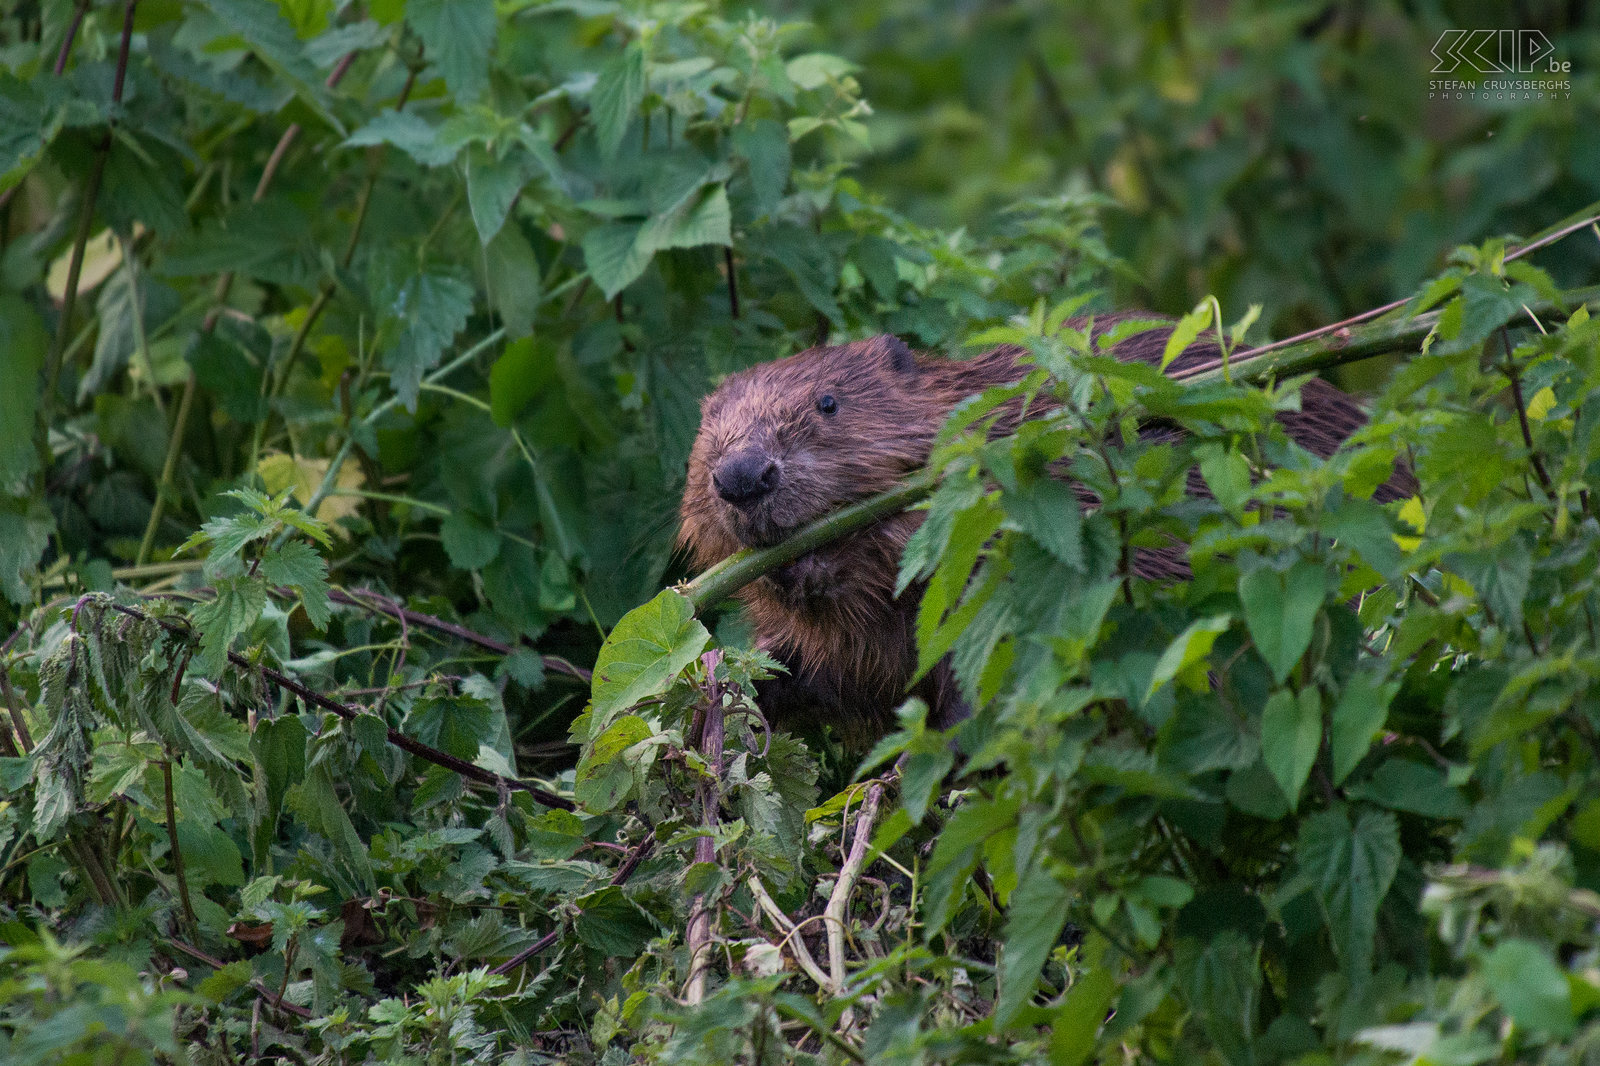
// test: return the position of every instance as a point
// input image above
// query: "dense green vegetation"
(353, 356)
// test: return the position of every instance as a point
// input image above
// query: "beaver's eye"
(827, 404)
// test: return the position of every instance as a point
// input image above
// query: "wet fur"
(831, 616)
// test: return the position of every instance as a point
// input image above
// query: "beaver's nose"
(744, 477)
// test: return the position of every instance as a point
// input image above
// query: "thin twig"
(1522, 417)
(400, 740)
(72, 35)
(839, 900)
(260, 989)
(791, 935)
(385, 605)
(189, 920)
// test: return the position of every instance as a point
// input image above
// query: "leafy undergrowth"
(345, 720)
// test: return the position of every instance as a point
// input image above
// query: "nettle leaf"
(643, 655)
(409, 132)
(262, 26)
(471, 543)
(297, 565)
(1048, 511)
(1357, 719)
(493, 185)
(457, 37)
(1034, 919)
(1350, 868)
(25, 529)
(616, 96)
(1291, 735)
(614, 256)
(238, 603)
(1280, 608)
(1185, 657)
(431, 309)
(703, 218)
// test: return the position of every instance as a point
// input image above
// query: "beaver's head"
(787, 442)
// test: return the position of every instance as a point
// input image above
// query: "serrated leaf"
(1279, 609)
(25, 529)
(457, 37)
(1034, 919)
(1350, 868)
(1048, 512)
(492, 187)
(703, 219)
(431, 309)
(645, 653)
(234, 609)
(407, 131)
(616, 96)
(514, 279)
(614, 256)
(297, 565)
(1291, 735)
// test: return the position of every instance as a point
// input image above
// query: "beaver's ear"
(901, 359)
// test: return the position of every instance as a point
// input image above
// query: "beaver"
(786, 442)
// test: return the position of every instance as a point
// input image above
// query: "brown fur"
(831, 616)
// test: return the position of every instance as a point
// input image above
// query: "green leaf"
(516, 378)
(23, 340)
(263, 27)
(431, 308)
(1078, 1019)
(1034, 920)
(604, 778)
(515, 281)
(471, 543)
(458, 725)
(702, 219)
(1531, 987)
(1048, 511)
(1187, 654)
(1291, 735)
(645, 653)
(1227, 475)
(615, 256)
(1279, 609)
(1350, 868)
(24, 533)
(238, 603)
(493, 185)
(407, 131)
(617, 94)
(457, 37)
(764, 145)
(1189, 327)
(1357, 719)
(297, 565)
